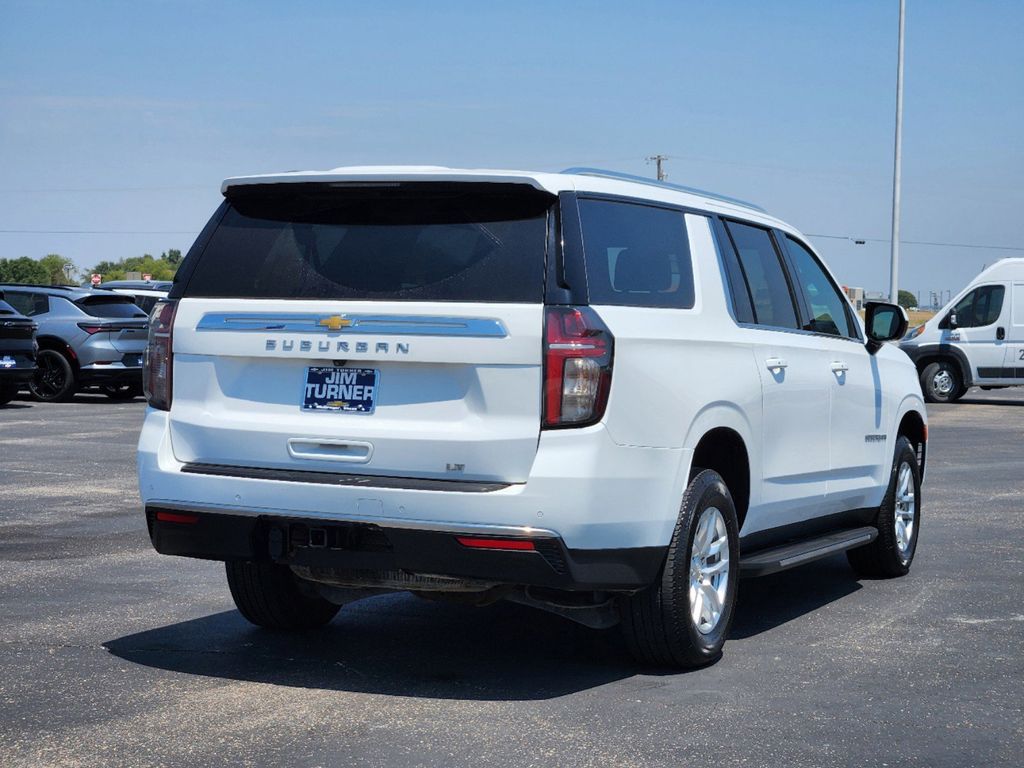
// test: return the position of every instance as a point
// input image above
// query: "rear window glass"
(637, 255)
(109, 306)
(408, 242)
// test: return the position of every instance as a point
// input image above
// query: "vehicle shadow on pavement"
(987, 401)
(397, 645)
(770, 601)
(402, 646)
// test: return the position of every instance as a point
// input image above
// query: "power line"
(93, 232)
(859, 240)
(659, 161)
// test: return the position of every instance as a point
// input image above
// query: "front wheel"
(271, 596)
(898, 521)
(54, 380)
(941, 383)
(682, 619)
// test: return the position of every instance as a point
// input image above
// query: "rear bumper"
(583, 489)
(113, 373)
(21, 375)
(323, 544)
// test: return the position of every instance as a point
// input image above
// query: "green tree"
(162, 268)
(54, 265)
(906, 299)
(23, 270)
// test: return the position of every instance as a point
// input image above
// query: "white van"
(977, 340)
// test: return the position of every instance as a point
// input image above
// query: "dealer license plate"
(351, 390)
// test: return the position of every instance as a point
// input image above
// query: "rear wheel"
(898, 521)
(54, 380)
(683, 618)
(271, 596)
(941, 382)
(121, 391)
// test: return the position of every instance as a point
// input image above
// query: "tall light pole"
(894, 266)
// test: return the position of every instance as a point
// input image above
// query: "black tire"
(269, 595)
(941, 382)
(884, 557)
(7, 393)
(54, 380)
(122, 391)
(657, 621)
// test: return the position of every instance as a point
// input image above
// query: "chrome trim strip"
(390, 325)
(440, 526)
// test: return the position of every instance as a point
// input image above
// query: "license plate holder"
(340, 390)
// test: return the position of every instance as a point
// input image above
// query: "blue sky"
(125, 116)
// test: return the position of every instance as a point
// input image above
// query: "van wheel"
(898, 521)
(269, 595)
(941, 383)
(54, 380)
(682, 619)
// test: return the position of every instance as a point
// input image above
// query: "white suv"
(595, 394)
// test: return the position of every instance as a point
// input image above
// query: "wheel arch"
(914, 426)
(720, 439)
(938, 353)
(58, 344)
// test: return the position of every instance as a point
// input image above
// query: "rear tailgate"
(120, 317)
(392, 333)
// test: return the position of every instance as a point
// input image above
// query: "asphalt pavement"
(113, 655)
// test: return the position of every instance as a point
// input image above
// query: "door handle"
(775, 363)
(839, 367)
(1000, 333)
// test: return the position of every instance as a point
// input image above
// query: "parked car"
(144, 294)
(975, 340)
(17, 351)
(594, 394)
(86, 338)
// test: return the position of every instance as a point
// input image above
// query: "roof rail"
(47, 287)
(664, 184)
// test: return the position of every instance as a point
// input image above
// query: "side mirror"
(952, 324)
(884, 322)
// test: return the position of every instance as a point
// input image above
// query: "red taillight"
(176, 517)
(91, 328)
(577, 366)
(159, 356)
(520, 545)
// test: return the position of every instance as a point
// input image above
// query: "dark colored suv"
(17, 351)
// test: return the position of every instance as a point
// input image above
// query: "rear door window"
(637, 255)
(28, 304)
(763, 273)
(404, 242)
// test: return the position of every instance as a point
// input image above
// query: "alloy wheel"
(709, 570)
(905, 509)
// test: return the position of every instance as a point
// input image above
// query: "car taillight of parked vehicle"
(159, 356)
(577, 366)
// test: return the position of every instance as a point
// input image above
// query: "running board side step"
(799, 552)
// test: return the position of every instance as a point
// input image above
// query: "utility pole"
(894, 266)
(659, 161)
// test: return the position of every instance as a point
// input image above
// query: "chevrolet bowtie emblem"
(335, 322)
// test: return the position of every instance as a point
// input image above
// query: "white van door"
(1013, 360)
(979, 315)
